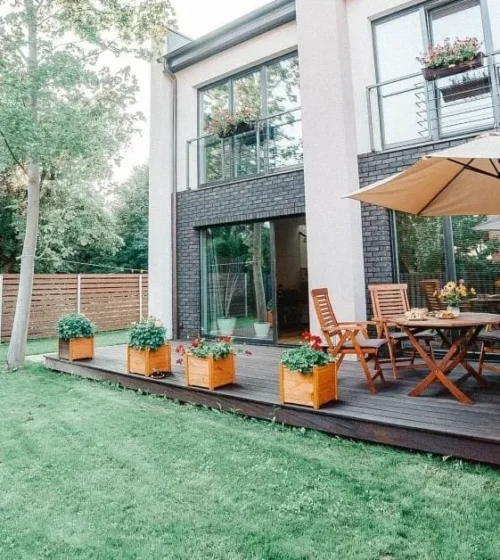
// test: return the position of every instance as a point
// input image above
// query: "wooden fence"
(112, 301)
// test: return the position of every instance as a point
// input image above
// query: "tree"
(132, 220)
(58, 108)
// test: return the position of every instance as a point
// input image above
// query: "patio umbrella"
(463, 180)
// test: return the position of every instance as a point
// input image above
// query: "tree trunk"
(258, 278)
(17, 346)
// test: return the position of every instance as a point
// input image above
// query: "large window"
(410, 108)
(237, 281)
(271, 95)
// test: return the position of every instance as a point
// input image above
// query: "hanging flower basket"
(431, 74)
(468, 88)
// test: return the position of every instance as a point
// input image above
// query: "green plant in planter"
(303, 358)
(149, 333)
(219, 349)
(75, 325)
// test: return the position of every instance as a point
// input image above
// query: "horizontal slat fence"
(112, 301)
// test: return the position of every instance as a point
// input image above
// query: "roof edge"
(251, 25)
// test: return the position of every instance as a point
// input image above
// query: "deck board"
(434, 422)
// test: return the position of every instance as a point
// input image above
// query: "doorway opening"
(292, 290)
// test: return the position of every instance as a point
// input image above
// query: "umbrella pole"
(449, 249)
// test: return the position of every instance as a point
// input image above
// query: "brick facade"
(275, 196)
(264, 198)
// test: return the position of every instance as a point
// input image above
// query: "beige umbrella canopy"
(463, 180)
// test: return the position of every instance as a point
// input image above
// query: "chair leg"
(482, 355)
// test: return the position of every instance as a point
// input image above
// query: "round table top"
(464, 320)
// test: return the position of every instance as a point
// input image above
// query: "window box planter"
(431, 74)
(210, 373)
(148, 362)
(76, 348)
(241, 128)
(309, 390)
(466, 89)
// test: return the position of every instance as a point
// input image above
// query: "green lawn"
(88, 470)
(49, 345)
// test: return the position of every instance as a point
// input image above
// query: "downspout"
(175, 314)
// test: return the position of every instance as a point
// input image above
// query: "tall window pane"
(401, 104)
(494, 13)
(237, 284)
(420, 253)
(283, 86)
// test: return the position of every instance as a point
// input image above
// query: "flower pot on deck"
(210, 373)
(76, 348)
(309, 390)
(148, 362)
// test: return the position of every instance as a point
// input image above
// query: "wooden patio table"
(466, 327)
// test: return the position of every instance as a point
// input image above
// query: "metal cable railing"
(264, 146)
(411, 110)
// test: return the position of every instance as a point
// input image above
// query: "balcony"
(271, 145)
(410, 110)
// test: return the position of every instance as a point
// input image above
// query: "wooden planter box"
(431, 74)
(472, 88)
(210, 373)
(76, 349)
(147, 362)
(309, 390)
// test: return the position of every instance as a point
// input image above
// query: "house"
(244, 223)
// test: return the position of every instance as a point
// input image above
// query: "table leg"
(439, 372)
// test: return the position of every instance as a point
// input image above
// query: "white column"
(334, 241)
(160, 198)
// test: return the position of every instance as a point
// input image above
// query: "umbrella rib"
(475, 169)
(464, 167)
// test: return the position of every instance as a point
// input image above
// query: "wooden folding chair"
(429, 289)
(490, 340)
(348, 338)
(390, 301)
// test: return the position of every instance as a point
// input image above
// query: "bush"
(75, 325)
(303, 358)
(149, 333)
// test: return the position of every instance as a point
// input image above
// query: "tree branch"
(12, 153)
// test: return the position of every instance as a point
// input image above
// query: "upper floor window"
(270, 97)
(405, 107)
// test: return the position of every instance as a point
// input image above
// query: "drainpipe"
(175, 315)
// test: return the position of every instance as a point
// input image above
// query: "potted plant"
(308, 375)
(466, 86)
(209, 364)
(225, 124)
(451, 58)
(76, 337)
(148, 351)
(455, 295)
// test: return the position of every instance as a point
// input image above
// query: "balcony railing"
(274, 143)
(411, 110)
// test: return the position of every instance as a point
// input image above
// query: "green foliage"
(149, 333)
(219, 349)
(303, 358)
(132, 220)
(75, 325)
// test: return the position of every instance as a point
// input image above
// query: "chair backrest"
(324, 311)
(389, 300)
(429, 289)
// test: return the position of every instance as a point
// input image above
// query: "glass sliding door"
(237, 283)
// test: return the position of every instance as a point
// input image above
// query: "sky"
(194, 19)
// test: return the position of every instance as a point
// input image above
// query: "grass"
(91, 471)
(49, 345)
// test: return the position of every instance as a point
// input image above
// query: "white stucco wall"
(160, 192)
(265, 47)
(335, 255)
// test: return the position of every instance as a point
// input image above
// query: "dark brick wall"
(377, 227)
(265, 198)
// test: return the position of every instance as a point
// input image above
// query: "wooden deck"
(434, 422)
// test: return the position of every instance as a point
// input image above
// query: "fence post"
(78, 293)
(140, 296)
(1, 303)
